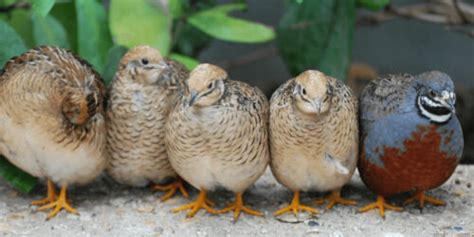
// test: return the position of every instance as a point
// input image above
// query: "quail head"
(313, 137)
(411, 139)
(51, 120)
(140, 98)
(216, 136)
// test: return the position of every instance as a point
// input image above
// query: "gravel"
(108, 209)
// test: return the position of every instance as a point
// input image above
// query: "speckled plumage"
(401, 148)
(51, 119)
(137, 112)
(313, 152)
(217, 137)
(313, 134)
(51, 112)
(223, 144)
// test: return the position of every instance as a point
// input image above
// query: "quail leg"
(295, 206)
(200, 203)
(171, 189)
(238, 207)
(422, 198)
(60, 203)
(335, 198)
(381, 204)
(51, 196)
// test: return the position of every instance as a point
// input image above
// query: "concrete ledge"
(107, 209)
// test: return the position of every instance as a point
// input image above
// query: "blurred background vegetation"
(262, 42)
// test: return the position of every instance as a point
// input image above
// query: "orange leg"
(171, 189)
(60, 203)
(238, 206)
(200, 203)
(295, 206)
(335, 198)
(422, 198)
(381, 204)
(51, 196)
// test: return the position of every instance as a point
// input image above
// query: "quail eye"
(303, 91)
(210, 85)
(432, 93)
(144, 61)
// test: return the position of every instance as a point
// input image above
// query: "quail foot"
(313, 137)
(411, 139)
(52, 122)
(140, 98)
(216, 136)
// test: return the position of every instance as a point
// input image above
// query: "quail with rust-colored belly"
(51, 120)
(216, 136)
(313, 137)
(411, 139)
(140, 98)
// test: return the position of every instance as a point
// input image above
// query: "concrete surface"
(107, 209)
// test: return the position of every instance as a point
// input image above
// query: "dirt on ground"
(108, 209)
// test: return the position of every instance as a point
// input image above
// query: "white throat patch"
(424, 103)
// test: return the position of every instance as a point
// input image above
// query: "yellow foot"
(171, 189)
(60, 203)
(295, 206)
(200, 203)
(381, 205)
(51, 197)
(238, 206)
(335, 198)
(422, 198)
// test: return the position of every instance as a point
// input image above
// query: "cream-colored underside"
(30, 149)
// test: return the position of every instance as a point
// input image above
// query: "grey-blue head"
(435, 96)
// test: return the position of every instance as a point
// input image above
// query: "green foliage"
(16, 177)
(140, 22)
(317, 35)
(42, 7)
(219, 25)
(65, 12)
(10, 43)
(113, 58)
(93, 33)
(189, 62)
(48, 31)
(373, 5)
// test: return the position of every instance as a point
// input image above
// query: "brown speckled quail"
(51, 120)
(140, 98)
(313, 137)
(216, 136)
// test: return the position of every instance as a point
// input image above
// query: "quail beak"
(193, 98)
(317, 104)
(448, 99)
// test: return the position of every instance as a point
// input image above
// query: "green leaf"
(93, 34)
(42, 7)
(373, 5)
(175, 7)
(113, 59)
(140, 22)
(190, 40)
(65, 12)
(20, 20)
(219, 25)
(10, 43)
(189, 62)
(317, 35)
(48, 31)
(16, 177)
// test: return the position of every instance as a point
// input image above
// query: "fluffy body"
(313, 152)
(221, 145)
(51, 116)
(401, 148)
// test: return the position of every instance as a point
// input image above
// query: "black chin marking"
(438, 109)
